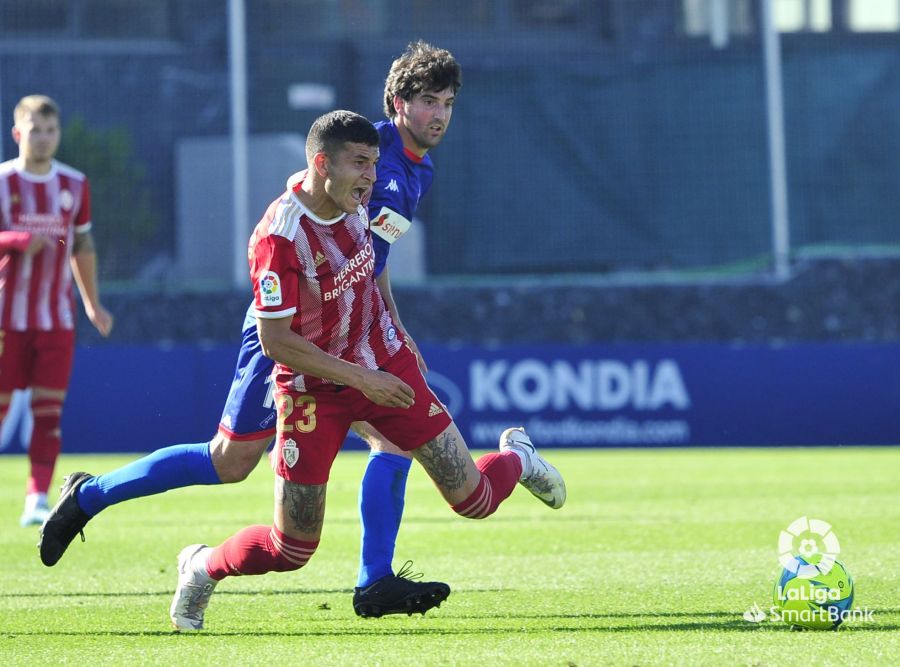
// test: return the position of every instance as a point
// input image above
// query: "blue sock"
(381, 497)
(164, 469)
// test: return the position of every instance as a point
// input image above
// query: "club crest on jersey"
(290, 453)
(270, 289)
(389, 224)
(66, 200)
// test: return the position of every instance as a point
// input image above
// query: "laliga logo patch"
(290, 453)
(391, 333)
(270, 289)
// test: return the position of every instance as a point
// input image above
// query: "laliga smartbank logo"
(814, 590)
(808, 548)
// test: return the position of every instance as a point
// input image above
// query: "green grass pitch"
(652, 562)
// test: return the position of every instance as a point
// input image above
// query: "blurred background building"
(717, 172)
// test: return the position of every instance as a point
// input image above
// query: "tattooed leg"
(447, 461)
(299, 509)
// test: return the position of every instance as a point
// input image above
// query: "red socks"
(45, 444)
(499, 474)
(261, 549)
(257, 550)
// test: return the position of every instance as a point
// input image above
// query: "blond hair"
(35, 104)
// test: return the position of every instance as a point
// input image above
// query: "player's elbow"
(278, 344)
(271, 343)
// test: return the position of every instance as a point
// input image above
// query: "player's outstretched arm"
(284, 345)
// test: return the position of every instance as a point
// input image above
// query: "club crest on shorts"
(290, 453)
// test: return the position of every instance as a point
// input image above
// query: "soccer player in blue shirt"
(419, 93)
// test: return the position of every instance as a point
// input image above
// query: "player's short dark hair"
(330, 132)
(40, 105)
(422, 68)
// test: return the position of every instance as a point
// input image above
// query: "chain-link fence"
(590, 136)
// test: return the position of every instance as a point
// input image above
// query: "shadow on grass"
(497, 625)
(378, 630)
(169, 593)
(645, 614)
(219, 593)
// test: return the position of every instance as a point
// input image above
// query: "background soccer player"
(45, 239)
(320, 315)
(419, 93)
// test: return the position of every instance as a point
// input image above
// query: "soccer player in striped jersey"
(45, 239)
(341, 359)
(419, 93)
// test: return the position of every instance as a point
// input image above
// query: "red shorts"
(36, 359)
(312, 425)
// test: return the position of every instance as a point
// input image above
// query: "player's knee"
(376, 441)
(382, 444)
(234, 461)
(290, 553)
(235, 469)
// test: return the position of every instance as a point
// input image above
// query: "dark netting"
(590, 137)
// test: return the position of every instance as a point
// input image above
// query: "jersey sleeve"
(385, 194)
(83, 219)
(275, 272)
(389, 191)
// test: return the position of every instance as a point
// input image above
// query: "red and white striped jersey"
(36, 292)
(321, 273)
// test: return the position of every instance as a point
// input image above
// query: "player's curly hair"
(421, 68)
(332, 130)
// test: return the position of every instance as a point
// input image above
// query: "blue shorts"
(249, 412)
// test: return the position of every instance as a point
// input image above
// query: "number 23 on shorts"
(290, 406)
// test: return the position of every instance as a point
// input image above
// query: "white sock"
(33, 500)
(198, 562)
(526, 462)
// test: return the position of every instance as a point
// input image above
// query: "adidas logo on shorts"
(435, 409)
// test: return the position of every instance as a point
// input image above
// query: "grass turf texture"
(653, 561)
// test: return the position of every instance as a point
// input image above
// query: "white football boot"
(538, 476)
(36, 511)
(193, 592)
